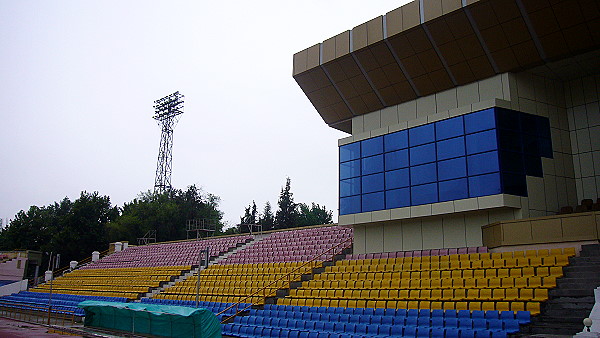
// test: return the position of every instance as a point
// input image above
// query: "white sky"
(79, 79)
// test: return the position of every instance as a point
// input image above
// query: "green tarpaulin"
(153, 319)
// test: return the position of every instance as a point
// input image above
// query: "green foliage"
(266, 219)
(287, 214)
(313, 215)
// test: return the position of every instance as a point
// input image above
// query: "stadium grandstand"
(469, 191)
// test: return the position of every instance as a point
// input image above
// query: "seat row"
(461, 251)
(211, 298)
(363, 282)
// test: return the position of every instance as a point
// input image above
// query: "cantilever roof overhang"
(428, 46)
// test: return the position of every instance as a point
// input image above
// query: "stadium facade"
(463, 114)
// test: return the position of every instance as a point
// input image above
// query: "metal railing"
(36, 314)
(287, 277)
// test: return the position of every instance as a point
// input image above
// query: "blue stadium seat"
(452, 332)
(524, 317)
(504, 315)
(451, 322)
(385, 330)
(379, 312)
(410, 331)
(338, 310)
(344, 318)
(373, 329)
(411, 321)
(438, 332)
(479, 324)
(365, 319)
(361, 328)
(320, 326)
(464, 314)
(467, 333)
(424, 313)
(499, 334)
(339, 327)
(423, 332)
(495, 325)
(294, 334)
(450, 314)
(312, 334)
(437, 313)
(397, 331)
(276, 332)
(354, 318)
(423, 321)
(492, 314)
(376, 320)
(328, 327)
(390, 312)
(437, 321)
(387, 320)
(401, 312)
(350, 328)
(477, 314)
(482, 333)
(303, 334)
(511, 326)
(413, 313)
(465, 323)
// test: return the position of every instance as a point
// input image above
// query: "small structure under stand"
(200, 226)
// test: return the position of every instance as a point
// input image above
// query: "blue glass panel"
(453, 147)
(449, 128)
(426, 173)
(397, 159)
(421, 135)
(509, 140)
(422, 154)
(484, 185)
(528, 123)
(350, 152)
(372, 146)
(373, 201)
(372, 165)
(480, 142)
(481, 120)
(350, 187)
(483, 163)
(453, 168)
(453, 190)
(514, 184)
(531, 145)
(512, 161)
(546, 148)
(396, 141)
(397, 179)
(349, 169)
(543, 127)
(372, 183)
(350, 205)
(397, 198)
(533, 166)
(508, 119)
(424, 194)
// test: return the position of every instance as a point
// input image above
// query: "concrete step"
(555, 328)
(576, 272)
(577, 284)
(571, 292)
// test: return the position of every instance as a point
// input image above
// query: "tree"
(314, 215)
(286, 215)
(266, 218)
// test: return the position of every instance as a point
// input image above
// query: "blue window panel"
(543, 127)
(482, 141)
(531, 144)
(422, 174)
(450, 148)
(510, 140)
(508, 119)
(372, 146)
(479, 121)
(451, 169)
(372, 165)
(424, 194)
(372, 183)
(350, 205)
(449, 128)
(396, 141)
(484, 185)
(349, 169)
(397, 179)
(397, 198)
(350, 152)
(483, 163)
(350, 187)
(453, 189)
(533, 166)
(528, 123)
(514, 184)
(422, 154)
(512, 162)
(421, 135)
(396, 160)
(546, 148)
(373, 201)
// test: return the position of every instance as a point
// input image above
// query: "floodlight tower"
(167, 111)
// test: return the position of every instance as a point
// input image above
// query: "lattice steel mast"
(167, 111)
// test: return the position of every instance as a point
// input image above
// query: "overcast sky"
(79, 79)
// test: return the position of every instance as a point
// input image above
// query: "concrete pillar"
(125, 245)
(118, 246)
(72, 264)
(95, 256)
(48, 276)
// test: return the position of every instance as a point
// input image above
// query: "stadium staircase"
(573, 298)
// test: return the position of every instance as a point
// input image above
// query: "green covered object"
(153, 319)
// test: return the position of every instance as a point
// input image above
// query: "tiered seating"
(129, 283)
(214, 307)
(304, 321)
(294, 246)
(420, 253)
(514, 281)
(66, 304)
(168, 254)
(585, 206)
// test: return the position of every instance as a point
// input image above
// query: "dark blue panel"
(350, 205)
(397, 159)
(533, 166)
(450, 148)
(372, 183)
(454, 168)
(424, 194)
(484, 185)
(528, 123)
(481, 120)
(514, 184)
(508, 119)
(449, 128)
(422, 174)
(421, 135)
(531, 145)
(480, 142)
(422, 154)
(543, 127)
(373, 201)
(372, 146)
(350, 187)
(512, 161)
(349, 169)
(483, 163)
(372, 165)
(397, 179)
(350, 152)
(397, 198)
(546, 148)
(453, 189)
(510, 140)
(396, 141)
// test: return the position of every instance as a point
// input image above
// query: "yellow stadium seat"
(548, 260)
(525, 294)
(491, 273)
(533, 308)
(535, 261)
(479, 273)
(540, 295)
(549, 282)
(435, 283)
(503, 306)
(503, 273)
(517, 306)
(425, 304)
(528, 271)
(511, 294)
(343, 303)
(436, 294)
(352, 303)
(488, 306)
(496, 255)
(414, 294)
(508, 282)
(498, 294)
(384, 294)
(530, 253)
(485, 294)
(425, 295)
(482, 283)
(569, 251)
(401, 304)
(467, 274)
(474, 306)
(393, 294)
(562, 260)
(448, 305)
(534, 282)
(460, 294)
(404, 295)
(543, 252)
(447, 283)
(472, 294)
(413, 304)
(515, 272)
(522, 262)
(556, 271)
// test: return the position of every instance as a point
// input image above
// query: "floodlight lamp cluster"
(169, 106)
